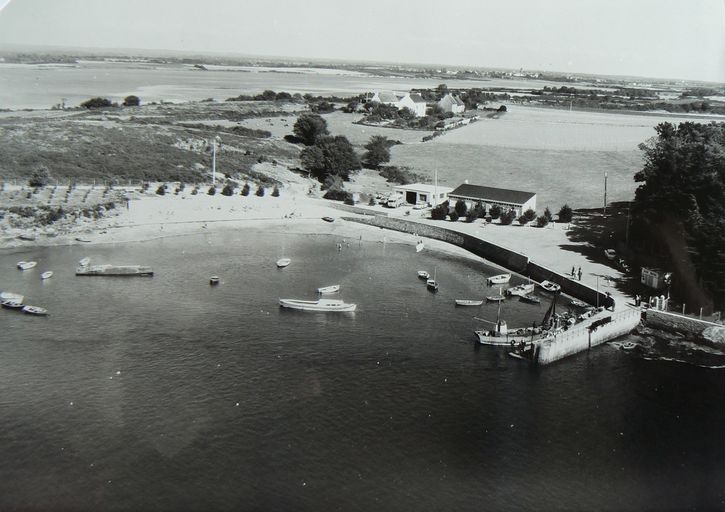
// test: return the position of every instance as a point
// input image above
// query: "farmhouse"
(487, 197)
(386, 98)
(451, 103)
(423, 193)
(414, 102)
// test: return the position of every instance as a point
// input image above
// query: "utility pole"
(626, 232)
(605, 194)
(213, 159)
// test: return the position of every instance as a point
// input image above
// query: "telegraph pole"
(605, 194)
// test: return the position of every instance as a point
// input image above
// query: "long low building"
(487, 197)
(423, 193)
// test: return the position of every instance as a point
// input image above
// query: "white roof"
(422, 187)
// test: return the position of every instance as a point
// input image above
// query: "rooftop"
(502, 195)
(416, 97)
(423, 187)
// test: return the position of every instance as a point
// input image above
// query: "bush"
(371, 202)
(522, 220)
(39, 178)
(475, 213)
(401, 175)
(275, 191)
(228, 190)
(495, 212)
(194, 191)
(440, 212)
(144, 187)
(336, 189)
(211, 191)
(161, 190)
(260, 191)
(131, 101)
(566, 213)
(453, 216)
(97, 103)
(461, 208)
(529, 215)
(245, 189)
(508, 217)
(542, 221)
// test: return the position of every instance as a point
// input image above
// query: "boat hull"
(499, 279)
(318, 305)
(113, 270)
(466, 302)
(521, 290)
(329, 289)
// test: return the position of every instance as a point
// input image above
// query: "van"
(395, 200)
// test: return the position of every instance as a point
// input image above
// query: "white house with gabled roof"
(415, 103)
(452, 103)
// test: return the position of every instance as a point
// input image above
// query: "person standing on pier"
(580, 273)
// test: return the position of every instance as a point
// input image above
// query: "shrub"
(529, 215)
(260, 191)
(144, 186)
(440, 212)
(96, 103)
(371, 202)
(228, 190)
(495, 212)
(461, 208)
(39, 178)
(245, 189)
(131, 101)
(508, 217)
(161, 190)
(453, 216)
(565, 214)
(522, 220)
(275, 191)
(475, 213)
(211, 191)
(542, 221)
(194, 191)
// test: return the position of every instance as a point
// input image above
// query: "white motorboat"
(422, 274)
(579, 304)
(84, 262)
(521, 290)
(499, 279)
(329, 289)
(46, 275)
(549, 286)
(214, 280)
(432, 284)
(35, 310)
(468, 302)
(26, 265)
(610, 254)
(317, 305)
(283, 262)
(628, 345)
(11, 296)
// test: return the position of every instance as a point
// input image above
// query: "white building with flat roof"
(423, 193)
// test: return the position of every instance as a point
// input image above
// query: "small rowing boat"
(283, 262)
(214, 280)
(84, 262)
(422, 274)
(549, 286)
(468, 302)
(26, 265)
(46, 275)
(35, 310)
(329, 289)
(499, 279)
(530, 298)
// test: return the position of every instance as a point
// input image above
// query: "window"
(423, 197)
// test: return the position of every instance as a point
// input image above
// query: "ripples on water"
(165, 393)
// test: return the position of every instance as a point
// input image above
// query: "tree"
(260, 191)
(522, 220)
(495, 212)
(310, 127)
(39, 178)
(267, 96)
(441, 91)
(97, 103)
(453, 216)
(476, 212)
(246, 189)
(275, 191)
(378, 151)
(228, 189)
(330, 156)
(211, 191)
(461, 208)
(565, 213)
(440, 212)
(131, 101)
(529, 215)
(335, 189)
(548, 215)
(161, 190)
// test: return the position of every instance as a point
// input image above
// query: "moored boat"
(499, 279)
(26, 265)
(46, 275)
(579, 304)
(628, 345)
(610, 254)
(495, 298)
(521, 290)
(11, 296)
(550, 286)
(12, 304)
(84, 262)
(82, 239)
(214, 280)
(115, 270)
(530, 298)
(318, 305)
(422, 274)
(468, 302)
(328, 219)
(35, 310)
(432, 285)
(329, 289)
(283, 262)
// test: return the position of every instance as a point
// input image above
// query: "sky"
(654, 38)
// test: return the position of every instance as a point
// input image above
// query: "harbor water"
(165, 393)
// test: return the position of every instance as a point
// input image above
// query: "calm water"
(165, 393)
(41, 86)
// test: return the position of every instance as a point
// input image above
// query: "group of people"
(575, 273)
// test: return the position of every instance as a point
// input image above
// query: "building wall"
(417, 108)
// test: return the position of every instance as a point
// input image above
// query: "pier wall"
(568, 285)
(673, 322)
(504, 257)
(579, 339)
